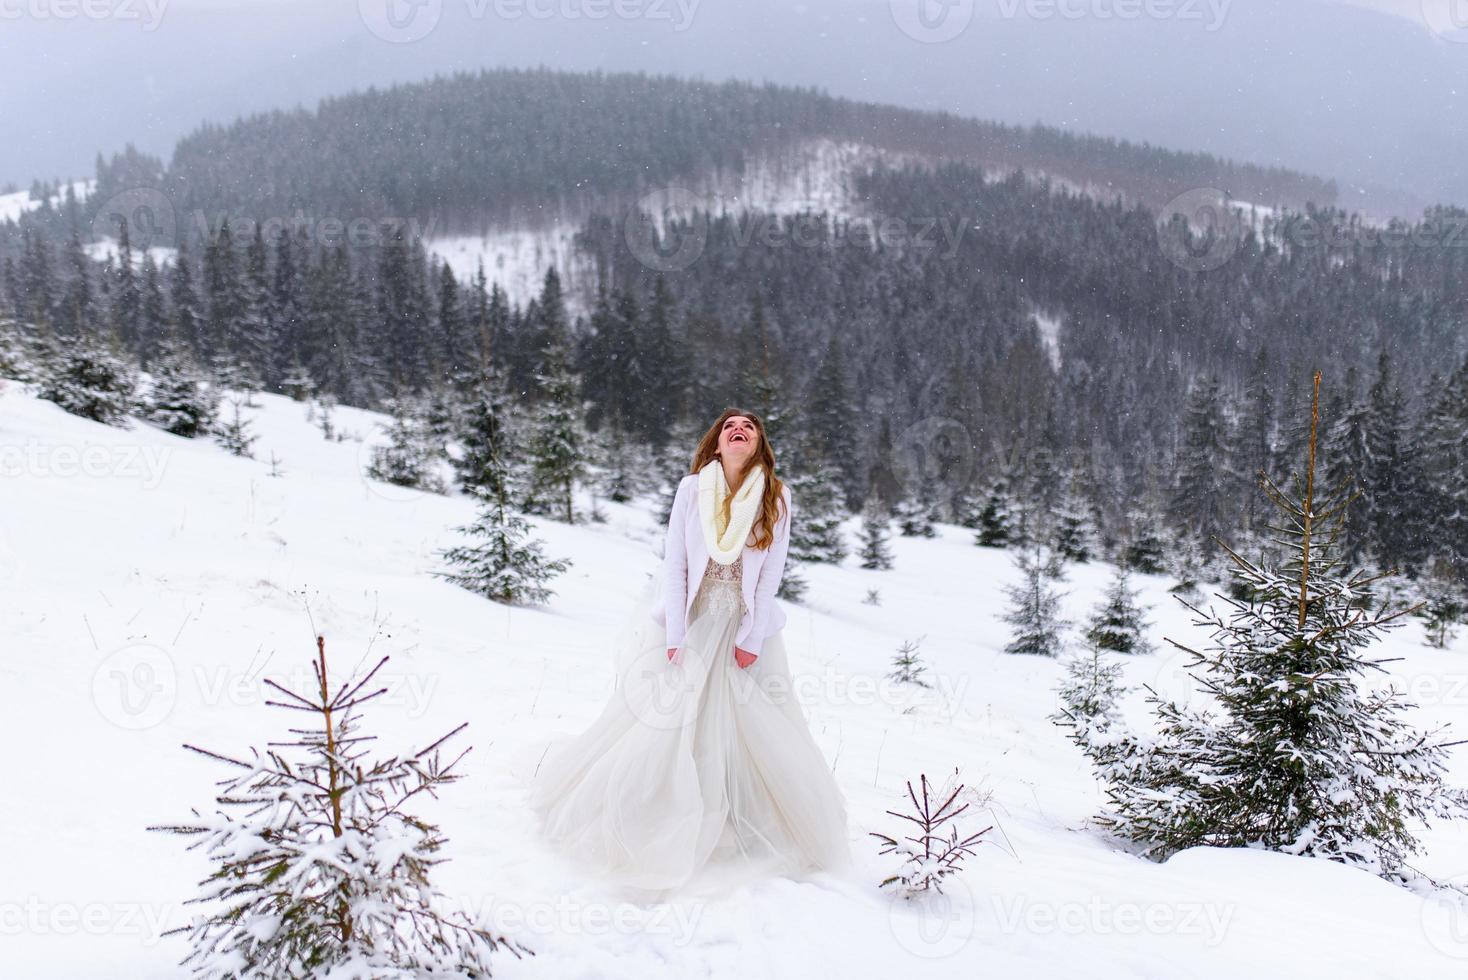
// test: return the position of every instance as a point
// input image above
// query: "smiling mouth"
(739, 437)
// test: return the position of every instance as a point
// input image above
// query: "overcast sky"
(1370, 92)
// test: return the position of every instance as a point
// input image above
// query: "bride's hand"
(744, 658)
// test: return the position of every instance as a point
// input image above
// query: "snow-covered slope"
(150, 583)
(816, 175)
(17, 203)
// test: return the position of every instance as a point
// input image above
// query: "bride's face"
(738, 439)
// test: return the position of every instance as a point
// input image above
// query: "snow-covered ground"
(106, 248)
(15, 204)
(150, 583)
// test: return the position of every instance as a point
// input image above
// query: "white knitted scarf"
(743, 509)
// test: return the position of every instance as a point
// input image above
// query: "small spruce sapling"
(907, 666)
(876, 552)
(1118, 623)
(1034, 610)
(234, 434)
(319, 871)
(1090, 691)
(934, 848)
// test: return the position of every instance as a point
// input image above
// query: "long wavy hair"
(764, 457)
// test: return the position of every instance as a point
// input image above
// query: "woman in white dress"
(701, 771)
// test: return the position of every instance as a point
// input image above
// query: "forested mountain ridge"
(466, 149)
(1082, 355)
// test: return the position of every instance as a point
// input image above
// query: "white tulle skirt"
(698, 775)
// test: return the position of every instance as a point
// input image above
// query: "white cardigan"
(686, 555)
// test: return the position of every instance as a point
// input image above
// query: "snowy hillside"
(815, 175)
(17, 203)
(152, 582)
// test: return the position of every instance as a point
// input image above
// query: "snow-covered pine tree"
(792, 583)
(907, 666)
(555, 448)
(180, 401)
(234, 432)
(967, 506)
(297, 383)
(1090, 691)
(671, 466)
(16, 359)
(876, 551)
(882, 479)
(933, 852)
(1346, 460)
(995, 521)
(1034, 609)
(484, 439)
(318, 869)
(1442, 606)
(1185, 564)
(1300, 755)
(1200, 496)
(506, 565)
(914, 517)
(1146, 547)
(827, 422)
(1444, 436)
(230, 375)
(86, 377)
(1394, 476)
(439, 417)
(1072, 533)
(1119, 623)
(1254, 445)
(620, 463)
(325, 408)
(408, 459)
(815, 532)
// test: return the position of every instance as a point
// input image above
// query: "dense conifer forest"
(1078, 374)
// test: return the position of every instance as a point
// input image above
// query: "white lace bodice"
(722, 588)
(718, 572)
